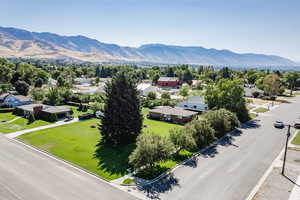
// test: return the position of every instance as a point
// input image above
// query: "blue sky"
(257, 26)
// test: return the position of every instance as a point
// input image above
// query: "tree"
(122, 120)
(22, 87)
(184, 91)
(37, 94)
(228, 94)
(165, 95)
(38, 83)
(222, 121)
(97, 81)
(96, 106)
(291, 79)
(152, 95)
(182, 139)
(271, 84)
(187, 76)
(52, 97)
(150, 148)
(201, 131)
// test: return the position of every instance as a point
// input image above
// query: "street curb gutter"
(268, 171)
(215, 143)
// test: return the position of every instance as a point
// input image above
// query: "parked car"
(297, 125)
(279, 124)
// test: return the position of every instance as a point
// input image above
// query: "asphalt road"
(230, 170)
(26, 174)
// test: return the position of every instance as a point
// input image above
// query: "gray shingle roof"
(177, 111)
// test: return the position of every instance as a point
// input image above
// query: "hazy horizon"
(244, 27)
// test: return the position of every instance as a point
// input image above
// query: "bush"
(6, 110)
(151, 95)
(150, 148)
(165, 95)
(53, 118)
(201, 131)
(222, 121)
(255, 94)
(31, 119)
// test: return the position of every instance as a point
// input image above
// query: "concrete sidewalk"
(59, 123)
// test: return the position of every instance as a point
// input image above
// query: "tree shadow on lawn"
(161, 186)
(114, 160)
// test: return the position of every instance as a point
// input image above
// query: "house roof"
(22, 98)
(178, 111)
(143, 86)
(46, 108)
(195, 100)
(168, 79)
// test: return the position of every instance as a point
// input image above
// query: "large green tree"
(150, 148)
(291, 79)
(222, 121)
(122, 121)
(272, 84)
(228, 94)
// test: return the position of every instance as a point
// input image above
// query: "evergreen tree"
(122, 121)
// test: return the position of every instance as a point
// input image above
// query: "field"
(260, 110)
(8, 126)
(76, 143)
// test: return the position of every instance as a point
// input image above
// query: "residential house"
(195, 103)
(176, 115)
(145, 88)
(12, 101)
(168, 82)
(45, 110)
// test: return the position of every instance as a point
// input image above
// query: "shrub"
(151, 95)
(150, 148)
(182, 139)
(165, 95)
(31, 119)
(255, 94)
(53, 118)
(222, 121)
(201, 131)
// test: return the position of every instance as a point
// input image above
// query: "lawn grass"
(4, 117)
(252, 115)
(76, 143)
(296, 140)
(261, 110)
(17, 125)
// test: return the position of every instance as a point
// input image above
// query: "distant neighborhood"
(181, 109)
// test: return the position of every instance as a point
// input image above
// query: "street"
(26, 174)
(230, 170)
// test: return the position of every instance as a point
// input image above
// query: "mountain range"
(25, 44)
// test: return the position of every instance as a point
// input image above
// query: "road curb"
(149, 182)
(268, 171)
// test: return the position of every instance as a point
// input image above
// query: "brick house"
(168, 82)
(172, 114)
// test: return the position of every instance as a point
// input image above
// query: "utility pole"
(286, 147)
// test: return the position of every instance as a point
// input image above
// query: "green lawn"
(76, 143)
(296, 140)
(260, 110)
(252, 115)
(17, 125)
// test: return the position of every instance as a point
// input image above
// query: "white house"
(195, 103)
(145, 88)
(14, 100)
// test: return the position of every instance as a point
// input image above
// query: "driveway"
(231, 169)
(26, 174)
